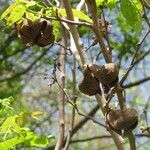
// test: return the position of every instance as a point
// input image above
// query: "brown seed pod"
(38, 32)
(106, 74)
(125, 120)
(29, 30)
(89, 85)
(27, 40)
(46, 35)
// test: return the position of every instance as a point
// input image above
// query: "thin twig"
(79, 125)
(93, 10)
(96, 57)
(70, 21)
(75, 34)
(136, 83)
(133, 62)
(107, 38)
(145, 15)
(59, 44)
(104, 137)
(131, 140)
(61, 100)
(73, 108)
(93, 44)
(146, 4)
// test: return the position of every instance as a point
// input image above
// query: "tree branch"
(93, 10)
(136, 83)
(74, 33)
(71, 22)
(61, 100)
(74, 95)
(143, 2)
(79, 125)
(134, 62)
(104, 137)
(131, 140)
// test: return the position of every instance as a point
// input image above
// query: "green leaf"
(16, 14)
(5, 103)
(81, 15)
(30, 3)
(20, 1)
(31, 16)
(25, 135)
(99, 2)
(77, 14)
(131, 14)
(36, 114)
(8, 10)
(11, 143)
(108, 3)
(138, 27)
(20, 119)
(39, 141)
(9, 124)
(138, 4)
(129, 11)
(111, 3)
(56, 29)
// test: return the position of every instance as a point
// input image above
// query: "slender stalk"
(61, 100)
(79, 125)
(74, 102)
(74, 33)
(119, 141)
(136, 83)
(101, 100)
(96, 28)
(134, 61)
(131, 141)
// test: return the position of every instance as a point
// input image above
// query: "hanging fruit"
(106, 74)
(38, 32)
(89, 85)
(125, 120)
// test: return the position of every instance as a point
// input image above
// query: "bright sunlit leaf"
(16, 14)
(78, 14)
(8, 10)
(131, 14)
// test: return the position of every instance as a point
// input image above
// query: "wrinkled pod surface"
(125, 120)
(39, 32)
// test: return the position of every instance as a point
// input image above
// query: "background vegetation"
(39, 85)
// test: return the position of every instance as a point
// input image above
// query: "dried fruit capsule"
(38, 32)
(106, 74)
(122, 120)
(89, 85)
(46, 35)
(29, 30)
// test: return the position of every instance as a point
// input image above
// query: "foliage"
(32, 10)
(13, 131)
(27, 76)
(128, 6)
